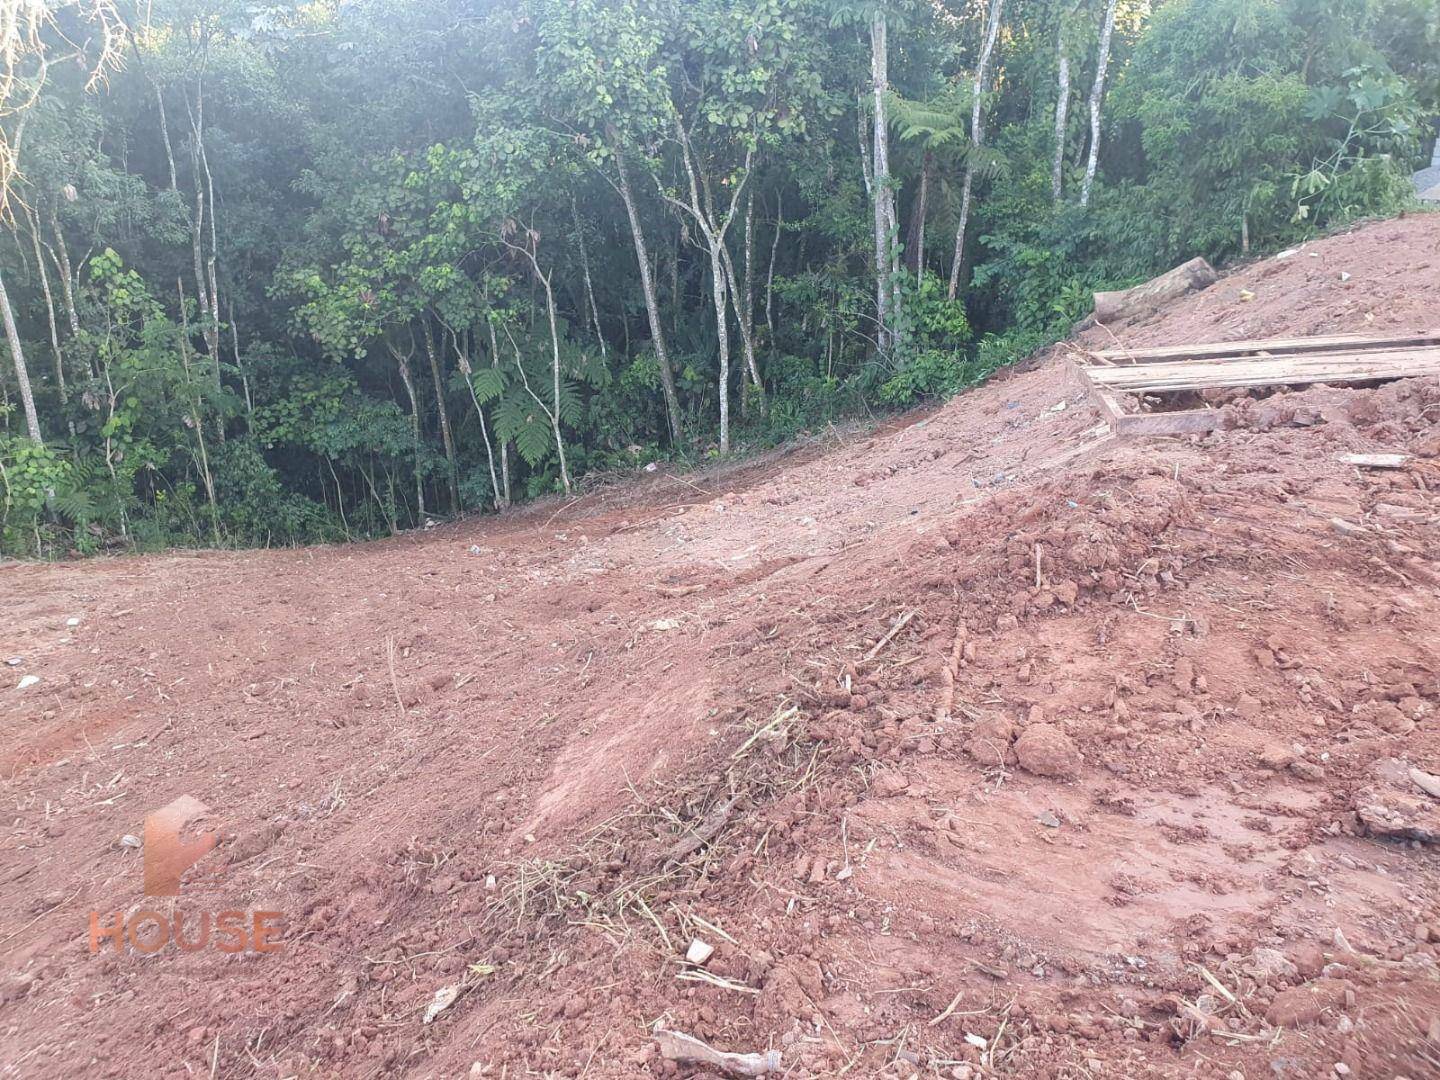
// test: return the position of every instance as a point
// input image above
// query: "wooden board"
(1297, 370)
(1184, 422)
(1375, 461)
(1272, 346)
(1344, 358)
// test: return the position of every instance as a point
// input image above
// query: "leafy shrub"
(930, 373)
(30, 476)
(255, 509)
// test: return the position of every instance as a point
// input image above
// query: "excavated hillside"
(978, 744)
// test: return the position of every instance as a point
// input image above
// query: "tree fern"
(489, 384)
(520, 420)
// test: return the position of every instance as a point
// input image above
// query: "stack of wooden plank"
(1271, 362)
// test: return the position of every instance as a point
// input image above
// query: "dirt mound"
(983, 744)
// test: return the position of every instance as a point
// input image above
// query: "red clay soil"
(985, 744)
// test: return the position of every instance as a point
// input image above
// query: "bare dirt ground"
(979, 744)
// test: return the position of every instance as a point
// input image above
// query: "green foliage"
(258, 511)
(401, 187)
(30, 475)
(930, 373)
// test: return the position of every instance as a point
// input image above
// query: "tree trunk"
(555, 376)
(402, 362)
(195, 417)
(552, 411)
(34, 220)
(915, 241)
(1097, 92)
(1062, 112)
(675, 298)
(652, 303)
(206, 278)
(722, 340)
(504, 447)
(770, 275)
(62, 263)
(977, 139)
(747, 319)
(887, 285)
(702, 210)
(747, 333)
(240, 367)
(463, 358)
(446, 437)
(165, 136)
(22, 373)
(585, 267)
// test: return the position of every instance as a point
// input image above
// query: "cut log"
(1128, 303)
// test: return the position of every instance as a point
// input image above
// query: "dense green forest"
(278, 274)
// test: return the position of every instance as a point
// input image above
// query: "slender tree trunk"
(197, 247)
(676, 299)
(387, 509)
(652, 303)
(702, 210)
(212, 270)
(402, 362)
(49, 307)
(750, 283)
(770, 274)
(722, 339)
(555, 377)
(1062, 112)
(165, 136)
(462, 357)
(1097, 92)
(887, 284)
(446, 437)
(339, 495)
(240, 367)
(552, 411)
(866, 146)
(22, 373)
(977, 139)
(62, 263)
(747, 333)
(585, 266)
(203, 219)
(915, 248)
(197, 420)
(504, 446)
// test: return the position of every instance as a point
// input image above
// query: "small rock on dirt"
(889, 783)
(1306, 1004)
(1046, 750)
(1398, 814)
(990, 740)
(1271, 965)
